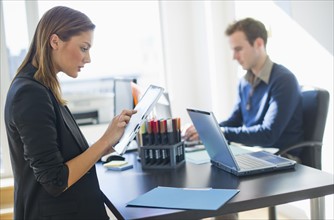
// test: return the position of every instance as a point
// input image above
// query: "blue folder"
(184, 198)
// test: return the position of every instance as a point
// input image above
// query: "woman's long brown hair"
(60, 20)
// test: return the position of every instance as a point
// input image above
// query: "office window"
(14, 44)
(16, 34)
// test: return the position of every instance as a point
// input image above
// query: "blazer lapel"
(73, 127)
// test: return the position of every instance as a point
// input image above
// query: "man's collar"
(264, 74)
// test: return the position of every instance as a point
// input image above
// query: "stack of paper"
(118, 165)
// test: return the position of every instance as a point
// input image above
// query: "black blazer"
(42, 136)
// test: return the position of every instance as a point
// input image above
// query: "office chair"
(315, 109)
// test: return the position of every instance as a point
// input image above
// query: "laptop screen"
(211, 135)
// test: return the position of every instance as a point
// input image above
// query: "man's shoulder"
(280, 72)
(283, 79)
(279, 68)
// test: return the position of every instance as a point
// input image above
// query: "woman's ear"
(54, 41)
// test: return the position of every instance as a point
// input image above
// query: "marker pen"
(178, 129)
(142, 133)
(170, 133)
(175, 130)
(164, 156)
(158, 156)
(156, 133)
(149, 133)
(163, 131)
(151, 156)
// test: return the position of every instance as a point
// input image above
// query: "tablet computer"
(144, 108)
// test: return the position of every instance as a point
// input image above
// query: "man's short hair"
(252, 28)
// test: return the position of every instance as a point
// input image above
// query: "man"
(268, 111)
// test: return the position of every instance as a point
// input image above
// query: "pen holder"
(162, 156)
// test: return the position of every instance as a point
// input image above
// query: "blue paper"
(184, 198)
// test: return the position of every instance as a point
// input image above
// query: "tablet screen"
(144, 108)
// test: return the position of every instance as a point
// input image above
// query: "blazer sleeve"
(36, 122)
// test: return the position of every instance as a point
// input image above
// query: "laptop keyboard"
(247, 162)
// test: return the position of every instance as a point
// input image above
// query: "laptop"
(221, 154)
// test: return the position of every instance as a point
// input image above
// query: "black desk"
(255, 191)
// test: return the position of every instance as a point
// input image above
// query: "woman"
(54, 172)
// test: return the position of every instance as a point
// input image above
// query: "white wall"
(316, 17)
(197, 58)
